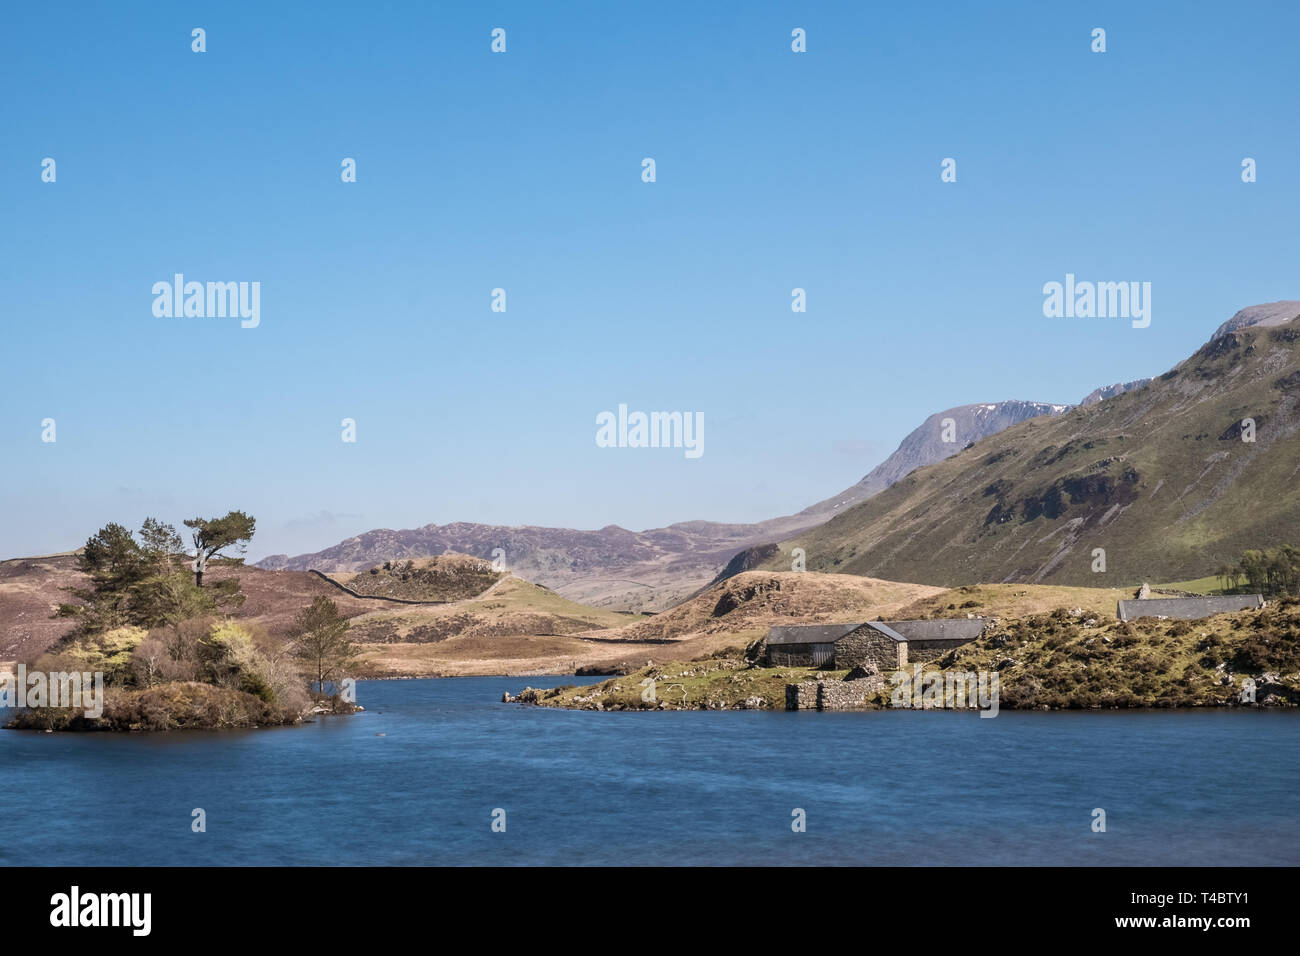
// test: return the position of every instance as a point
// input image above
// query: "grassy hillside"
(514, 606)
(1056, 661)
(1015, 600)
(516, 627)
(521, 627)
(1158, 477)
(31, 590)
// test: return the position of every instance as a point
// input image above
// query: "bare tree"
(148, 661)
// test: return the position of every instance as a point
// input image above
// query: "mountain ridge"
(658, 567)
(1046, 499)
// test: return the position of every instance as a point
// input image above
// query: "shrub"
(109, 653)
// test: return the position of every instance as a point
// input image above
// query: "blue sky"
(522, 171)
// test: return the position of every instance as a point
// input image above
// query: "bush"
(109, 653)
(189, 705)
(237, 657)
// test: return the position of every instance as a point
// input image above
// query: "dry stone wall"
(832, 694)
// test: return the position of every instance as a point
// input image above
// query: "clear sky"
(522, 171)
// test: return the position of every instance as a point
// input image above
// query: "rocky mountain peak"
(1271, 313)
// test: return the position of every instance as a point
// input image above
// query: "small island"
(152, 647)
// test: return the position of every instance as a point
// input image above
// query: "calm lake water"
(415, 779)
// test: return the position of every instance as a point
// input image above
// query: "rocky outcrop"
(1110, 391)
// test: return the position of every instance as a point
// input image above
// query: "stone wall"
(866, 646)
(918, 652)
(801, 696)
(832, 694)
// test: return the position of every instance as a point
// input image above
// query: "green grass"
(1054, 661)
(1208, 585)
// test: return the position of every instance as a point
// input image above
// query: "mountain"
(655, 569)
(1159, 477)
(611, 567)
(935, 440)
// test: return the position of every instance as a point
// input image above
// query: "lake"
(416, 777)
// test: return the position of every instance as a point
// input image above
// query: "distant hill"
(511, 608)
(449, 577)
(1158, 476)
(655, 569)
(610, 567)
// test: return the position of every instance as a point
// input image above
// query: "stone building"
(930, 640)
(1187, 608)
(874, 642)
(888, 645)
(804, 645)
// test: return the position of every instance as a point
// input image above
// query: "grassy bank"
(1057, 660)
(716, 683)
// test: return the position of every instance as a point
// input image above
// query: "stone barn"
(889, 645)
(804, 645)
(930, 640)
(874, 642)
(1187, 608)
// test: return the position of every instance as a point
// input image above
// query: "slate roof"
(1189, 608)
(825, 633)
(945, 629)
(810, 633)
